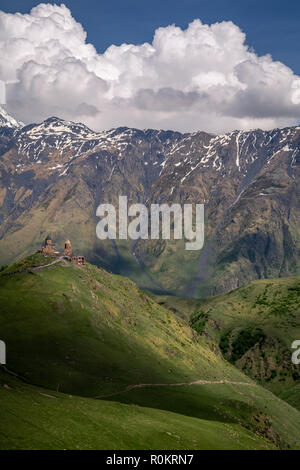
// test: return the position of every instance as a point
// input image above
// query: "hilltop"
(83, 330)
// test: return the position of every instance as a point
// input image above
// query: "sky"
(188, 65)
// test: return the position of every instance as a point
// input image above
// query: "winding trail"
(35, 268)
(179, 384)
(42, 266)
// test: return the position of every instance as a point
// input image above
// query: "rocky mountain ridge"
(53, 175)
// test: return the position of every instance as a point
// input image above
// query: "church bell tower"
(68, 248)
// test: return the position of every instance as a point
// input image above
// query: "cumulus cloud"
(201, 78)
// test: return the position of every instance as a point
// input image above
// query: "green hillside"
(82, 330)
(254, 327)
(36, 418)
(99, 344)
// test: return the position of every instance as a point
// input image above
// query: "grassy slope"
(270, 307)
(35, 418)
(83, 331)
(30, 262)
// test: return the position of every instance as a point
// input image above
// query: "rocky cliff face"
(53, 176)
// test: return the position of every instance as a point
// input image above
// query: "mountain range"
(96, 361)
(53, 176)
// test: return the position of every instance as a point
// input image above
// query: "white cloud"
(204, 77)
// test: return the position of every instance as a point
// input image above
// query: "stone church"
(48, 249)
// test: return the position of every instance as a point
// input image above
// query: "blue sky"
(271, 26)
(186, 65)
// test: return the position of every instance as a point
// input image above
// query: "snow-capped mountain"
(54, 175)
(8, 121)
(8, 125)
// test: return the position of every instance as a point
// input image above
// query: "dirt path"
(57, 260)
(179, 384)
(35, 268)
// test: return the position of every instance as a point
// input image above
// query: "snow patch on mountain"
(8, 121)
